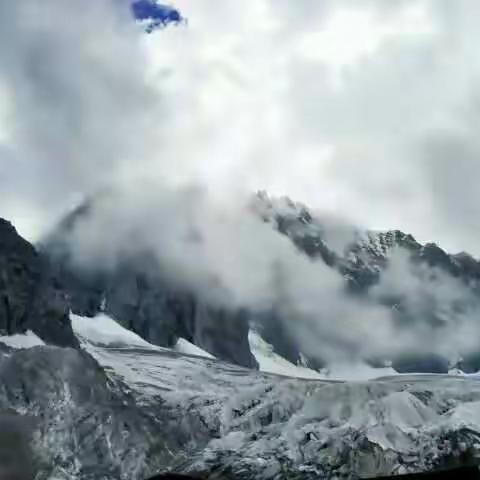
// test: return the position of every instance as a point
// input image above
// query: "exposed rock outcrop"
(31, 298)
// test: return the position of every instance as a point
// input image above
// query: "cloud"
(435, 312)
(341, 106)
(401, 122)
(229, 257)
(331, 103)
(78, 105)
(366, 113)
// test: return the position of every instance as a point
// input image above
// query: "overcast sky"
(365, 109)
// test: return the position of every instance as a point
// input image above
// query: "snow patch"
(188, 348)
(22, 340)
(356, 372)
(104, 330)
(271, 362)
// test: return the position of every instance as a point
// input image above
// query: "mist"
(211, 110)
(228, 256)
(440, 313)
(77, 107)
(332, 104)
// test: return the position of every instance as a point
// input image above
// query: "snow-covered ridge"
(209, 415)
(346, 240)
(399, 424)
(103, 330)
(22, 340)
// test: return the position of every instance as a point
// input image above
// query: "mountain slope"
(121, 407)
(418, 285)
(421, 285)
(139, 409)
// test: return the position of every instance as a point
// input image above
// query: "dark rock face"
(160, 314)
(224, 334)
(30, 297)
(136, 295)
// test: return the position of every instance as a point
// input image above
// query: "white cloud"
(79, 104)
(353, 33)
(229, 257)
(331, 105)
(439, 311)
(367, 114)
(340, 106)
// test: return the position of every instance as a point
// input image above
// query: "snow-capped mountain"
(353, 250)
(111, 403)
(136, 409)
(141, 298)
(437, 287)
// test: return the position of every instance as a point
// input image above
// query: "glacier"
(211, 416)
(105, 402)
(120, 408)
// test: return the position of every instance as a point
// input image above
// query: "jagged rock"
(30, 297)
(362, 260)
(137, 295)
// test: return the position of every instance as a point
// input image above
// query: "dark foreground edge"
(464, 473)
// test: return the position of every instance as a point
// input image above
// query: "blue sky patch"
(155, 15)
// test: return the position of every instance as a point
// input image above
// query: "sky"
(366, 110)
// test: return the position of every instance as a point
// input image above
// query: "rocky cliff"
(31, 297)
